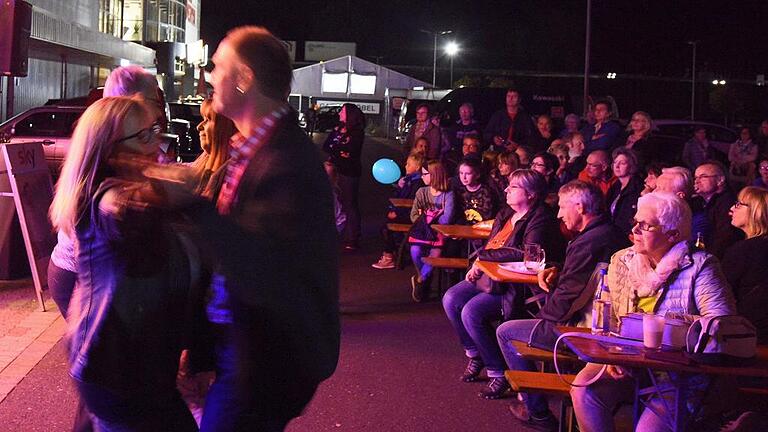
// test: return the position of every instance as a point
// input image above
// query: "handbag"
(421, 233)
(722, 340)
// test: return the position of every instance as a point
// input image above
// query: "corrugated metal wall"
(44, 82)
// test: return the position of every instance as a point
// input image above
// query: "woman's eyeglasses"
(644, 226)
(740, 204)
(145, 136)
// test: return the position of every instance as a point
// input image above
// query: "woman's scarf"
(646, 279)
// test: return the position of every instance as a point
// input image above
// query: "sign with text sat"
(32, 192)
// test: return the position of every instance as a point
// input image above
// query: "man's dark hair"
(604, 102)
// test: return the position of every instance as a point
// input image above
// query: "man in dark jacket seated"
(582, 210)
(473, 304)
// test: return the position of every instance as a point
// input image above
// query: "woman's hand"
(616, 372)
(473, 274)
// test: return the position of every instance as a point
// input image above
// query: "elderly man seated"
(669, 275)
(582, 210)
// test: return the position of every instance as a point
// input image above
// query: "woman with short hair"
(661, 273)
(472, 304)
(745, 262)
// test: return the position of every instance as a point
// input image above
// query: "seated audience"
(623, 194)
(597, 171)
(652, 172)
(761, 180)
(577, 159)
(669, 275)
(697, 149)
(604, 134)
(424, 128)
(420, 147)
(572, 124)
(406, 188)
(507, 163)
(470, 147)
(745, 262)
(676, 180)
(466, 124)
(546, 164)
(542, 137)
(637, 139)
(711, 207)
(511, 126)
(561, 153)
(524, 153)
(741, 157)
(582, 211)
(436, 202)
(476, 200)
(473, 304)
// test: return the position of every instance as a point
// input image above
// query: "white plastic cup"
(653, 331)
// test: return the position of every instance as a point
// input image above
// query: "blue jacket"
(605, 139)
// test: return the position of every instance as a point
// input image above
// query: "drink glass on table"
(534, 257)
(653, 331)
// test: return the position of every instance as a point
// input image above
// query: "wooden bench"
(547, 383)
(541, 355)
(442, 264)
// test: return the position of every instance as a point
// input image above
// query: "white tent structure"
(351, 79)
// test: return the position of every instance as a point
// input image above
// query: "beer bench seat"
(401, 250)
(442, 265)
(548, 383)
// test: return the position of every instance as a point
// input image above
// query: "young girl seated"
(406, 188)
(477, 201)
(435, 202)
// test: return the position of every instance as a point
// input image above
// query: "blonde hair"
(92, 144)
(439, 177)
(756, 200)
(648, 121)
(223, 129)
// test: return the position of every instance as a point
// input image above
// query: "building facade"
(74, 45)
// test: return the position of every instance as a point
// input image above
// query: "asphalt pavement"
(399, 367)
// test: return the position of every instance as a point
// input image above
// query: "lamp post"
(587, 39)
(693, 79)
(435, 34)
(451, 49)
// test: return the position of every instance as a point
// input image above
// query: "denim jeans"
(350, 190)
(520, 330)
(61, 283)
(471, 313)
(417, 253)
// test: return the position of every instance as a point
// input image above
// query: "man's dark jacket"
(596, 243)
(499, 125)
(715, 222)
(278, 251)
(538, 225)
(626, 206)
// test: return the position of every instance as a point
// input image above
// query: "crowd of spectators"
(688, 239)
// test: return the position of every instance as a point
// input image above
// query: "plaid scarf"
(242, 150)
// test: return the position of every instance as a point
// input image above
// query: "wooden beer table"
(401, 202)
(632, 354)
(498, 274)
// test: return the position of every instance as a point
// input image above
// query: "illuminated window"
(109, 17)
(334, 82)
(362, 84)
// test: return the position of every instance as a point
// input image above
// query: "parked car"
(327, 118)
(52, 125)
(672, 135)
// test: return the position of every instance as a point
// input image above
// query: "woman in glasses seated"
(473, 304)
(661, 273)
(127, 314)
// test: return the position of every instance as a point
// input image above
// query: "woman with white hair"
(661, 273)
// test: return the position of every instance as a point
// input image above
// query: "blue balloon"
(386, 171)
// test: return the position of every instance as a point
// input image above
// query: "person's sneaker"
(548, 422)
(416, 289)
(385, 262)
(473, 369)
(497, 388)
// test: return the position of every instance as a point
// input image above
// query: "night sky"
(636, 37)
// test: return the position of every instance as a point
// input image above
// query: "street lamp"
(434, 53)
(451, 49)
(693, 79)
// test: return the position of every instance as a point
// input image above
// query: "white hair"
(588, 195)
(671, 211)
(129, 80)
(680, 180)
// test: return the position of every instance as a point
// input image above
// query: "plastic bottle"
(601, 306)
